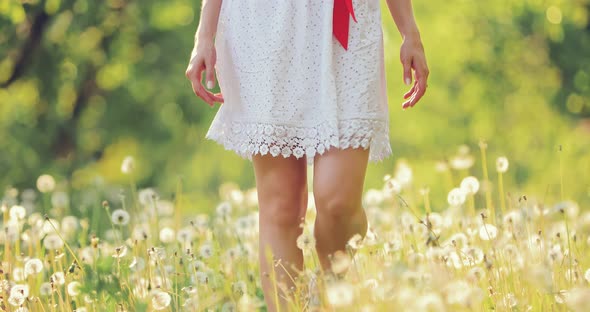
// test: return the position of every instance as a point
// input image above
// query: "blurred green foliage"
(85, 83)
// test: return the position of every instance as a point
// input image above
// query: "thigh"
(280, 181)
(340, 173)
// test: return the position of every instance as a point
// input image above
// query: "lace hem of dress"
(248, 139)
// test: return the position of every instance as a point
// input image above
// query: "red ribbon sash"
(342, 11)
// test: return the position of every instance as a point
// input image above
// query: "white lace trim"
(248, 139)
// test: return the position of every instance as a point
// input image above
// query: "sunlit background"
(83, 84)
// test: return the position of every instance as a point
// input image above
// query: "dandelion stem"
(501, 191)
(486, 178)
(561, 172)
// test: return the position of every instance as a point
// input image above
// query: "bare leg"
(282, 198)
(339, 176)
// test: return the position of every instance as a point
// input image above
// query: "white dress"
(290, 89)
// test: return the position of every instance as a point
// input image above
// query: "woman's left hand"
(412, 57)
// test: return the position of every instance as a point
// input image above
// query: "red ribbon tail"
(351, 9)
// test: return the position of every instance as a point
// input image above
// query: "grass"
(144, 256)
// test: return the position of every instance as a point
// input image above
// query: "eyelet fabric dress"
(290, 88)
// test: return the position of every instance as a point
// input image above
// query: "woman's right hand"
(203, 58)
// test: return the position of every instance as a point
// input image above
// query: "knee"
(335, 204)
(284, 209)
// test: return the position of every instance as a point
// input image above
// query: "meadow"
(476, 254)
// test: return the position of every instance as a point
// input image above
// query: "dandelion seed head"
(147, 196)
(58, 278)
(165, 208)
(18, 294)
(510, 301)
(60, 199)
(488, 232)
(502, 164)
(69, 225)
(160, 300)
(167, 235)
(120, 217)
(128, 165)
(340, 294)
(33, 266)
(340, 262)
(74, 288)
(206, 251)
(470, 185)
(456, 197)
(45, 289)
(373, 197)
(305, 241)
(391, 187)
(52, 242)
(18, 274)
(120, 252)
(462, 162)
(45, 183)
(403, 173)
(587, 276)
(17, 212)
(429, 302)
(223, 209)
(355, 242)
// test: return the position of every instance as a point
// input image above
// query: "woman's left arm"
(411, 51)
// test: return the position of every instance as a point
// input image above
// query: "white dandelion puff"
(340, 294)
(74, 288)
(470, 185)
(587, 276)
(341, 261)
(147, 196)
(223, 209)
(355, 242)
(58, 278)
(45, 183)
(456, 197)
(120, 217)
(33, 266)
(502, 164)
(167, 235)
(488, 232)
(160, 300)
(305, 241)
(45, 289)
(52, 242)
(17, 212)
(128, 165)
(18, 294)
(120, 251)
(206, 251)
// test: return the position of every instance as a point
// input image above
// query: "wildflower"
(463, 160)
(17, 212)
(403, 173)
(45, 183)
(202, 277)
(167, 235)
(456, 197)
(239, 288)
(128, 165)
(340, 294)
(373, 197)
(74, 288)
(305, 241)
(18, 295)
(60, 199)
(185, 235)
(120, 217)
(52, 242)
(140, 232)
(69, 225)
(18, 274)
(120, 251)
(587, 276)
(510, 301)
(470, 185)
(502, 164)
(475, 274)
(392, 186)
(355, 242)
(137, 264)
(160, 300)
(206, 251)
(488, 232)
(147, 196)
(45, 289)
(58, 278)
(340, 262)
(164, 208)
(49, 226)
(33, 266)
(223, 209)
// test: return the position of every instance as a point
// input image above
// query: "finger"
(409, 93)
(408, 103)
(204, 94)
(419, 93)
(210, 74)
(219, 97)
(407, 64)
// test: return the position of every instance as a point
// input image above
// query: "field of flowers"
(130, 250)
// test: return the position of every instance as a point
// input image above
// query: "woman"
(303, 83)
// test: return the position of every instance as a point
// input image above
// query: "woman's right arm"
(203, 55)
